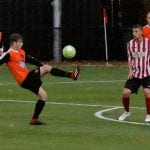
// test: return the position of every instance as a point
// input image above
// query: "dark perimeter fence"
(82, 26)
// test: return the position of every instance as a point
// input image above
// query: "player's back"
(146, 31)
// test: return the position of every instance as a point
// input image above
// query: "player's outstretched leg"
(126, 103)
(60, 73)
(147, 100)
(39, 107)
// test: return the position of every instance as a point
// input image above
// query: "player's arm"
(1, 44)
(130, 75)
(33, 61)
(1, 49)
(4, 58)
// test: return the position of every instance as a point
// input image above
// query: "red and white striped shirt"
(139, 57)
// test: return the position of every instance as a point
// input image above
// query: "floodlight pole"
(57, 11)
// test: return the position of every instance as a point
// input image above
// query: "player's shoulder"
(22, 51)
(130, 42)
(9, 51)
(146, 27)
(13, 52)
(146, 39)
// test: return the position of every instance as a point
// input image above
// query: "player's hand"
(130, 76)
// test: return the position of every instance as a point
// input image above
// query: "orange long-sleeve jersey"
(17, 65)
(16, 62)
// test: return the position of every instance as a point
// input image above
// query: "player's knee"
(48, 68)
(43, 96)
(147, 93)
(126, 93)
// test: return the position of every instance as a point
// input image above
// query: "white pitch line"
(13, 83)
(78, 82)
(97, 114)
(59, 103)
(69, 82)
(100, 115)
(69, 104)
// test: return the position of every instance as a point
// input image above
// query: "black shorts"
(135, 83)
(33, 81)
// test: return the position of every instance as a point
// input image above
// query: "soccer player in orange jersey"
(16, 58)
(146, 28)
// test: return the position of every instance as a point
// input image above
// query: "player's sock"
(126, 103)
(38, 109)
(148, 105)
(60, 73)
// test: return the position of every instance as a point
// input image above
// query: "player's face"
(137, 33)
(148, 18)
(19, 44)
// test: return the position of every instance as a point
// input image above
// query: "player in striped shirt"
(139, 70)
(146, 28)
(16, 59)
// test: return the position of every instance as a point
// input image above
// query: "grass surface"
(72, 127)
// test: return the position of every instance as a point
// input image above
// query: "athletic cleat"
(147, 119)
(36, 122)
(124, 116)
(74, 74)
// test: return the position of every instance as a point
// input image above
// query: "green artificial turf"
(72, 127)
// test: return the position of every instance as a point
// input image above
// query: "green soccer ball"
(69, 52)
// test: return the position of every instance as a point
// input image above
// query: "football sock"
(38, 108)
(148, 105)
(126, 103)
(60, 73)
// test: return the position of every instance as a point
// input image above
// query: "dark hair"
(137, 26)
(15, 37)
